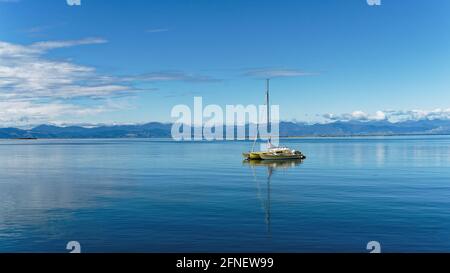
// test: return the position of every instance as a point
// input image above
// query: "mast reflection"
(271, 166)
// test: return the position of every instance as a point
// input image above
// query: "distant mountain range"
(287, 129)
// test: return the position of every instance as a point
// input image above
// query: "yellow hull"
(272, 156)
(253, 155)
(269, 156)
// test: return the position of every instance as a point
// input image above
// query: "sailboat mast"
(268, 107)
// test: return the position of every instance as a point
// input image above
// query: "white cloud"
(20, 113)
(277, 73)
(44, 46)
(172, 76)
(392, 115)
(443, 114)
(379, 115)
(25, 72)
(35, 88)
(156, 30)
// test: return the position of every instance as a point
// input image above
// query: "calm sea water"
(162, 196)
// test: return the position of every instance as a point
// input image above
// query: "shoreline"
(224, 140)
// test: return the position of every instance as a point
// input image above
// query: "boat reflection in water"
(274, 164)
(271, 166)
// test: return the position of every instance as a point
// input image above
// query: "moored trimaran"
(272, 152)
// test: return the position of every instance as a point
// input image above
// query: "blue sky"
(132, 61)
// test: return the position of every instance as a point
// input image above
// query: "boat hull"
(253, 155)
(269, 156)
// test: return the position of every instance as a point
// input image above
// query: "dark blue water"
(163, 196)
